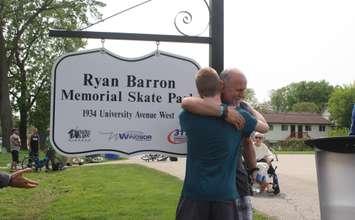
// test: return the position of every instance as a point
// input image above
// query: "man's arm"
(249, 153)
(201, 106)
(4, 179)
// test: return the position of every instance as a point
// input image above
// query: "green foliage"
(250, 96)
(30, 51)
(305, 107)
(340, 105)
(338, 132)
(285, 98)
(293, 144)
(39, 116)
(264, 107)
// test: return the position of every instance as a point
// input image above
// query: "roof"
(296, 118)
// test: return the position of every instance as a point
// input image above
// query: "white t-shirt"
(262, 152)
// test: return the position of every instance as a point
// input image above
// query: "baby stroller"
(266, 173)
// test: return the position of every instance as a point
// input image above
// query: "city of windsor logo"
(77, 134)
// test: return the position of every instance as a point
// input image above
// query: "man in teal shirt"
(209, 190)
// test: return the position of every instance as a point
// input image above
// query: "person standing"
(33, 145)
(234, 86)
(15, 146)
(209, 190)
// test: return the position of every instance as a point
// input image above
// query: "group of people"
(16, 179)
(15, 146)
(218, 125)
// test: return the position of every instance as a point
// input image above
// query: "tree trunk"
(22, 102)
(23, 127)
(5, 107)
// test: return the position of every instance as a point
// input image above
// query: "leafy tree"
(29, 52)
(305, 107)
(278, 99)
(285, 98)
(250, 97)
(264, 107)
(340, 105)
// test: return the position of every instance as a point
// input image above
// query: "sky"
(274, 42)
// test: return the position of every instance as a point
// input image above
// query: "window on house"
(284, 127)
(271, 127)
(308, 128)
(322, 128)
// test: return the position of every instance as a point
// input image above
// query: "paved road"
(298, 182)
(299, 192)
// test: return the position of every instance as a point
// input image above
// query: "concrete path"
(298, 182)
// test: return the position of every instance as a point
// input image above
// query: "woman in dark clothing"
(33, 144)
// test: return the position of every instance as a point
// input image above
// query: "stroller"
(266, 173)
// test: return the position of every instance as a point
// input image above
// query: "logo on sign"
(135, 135)
(79, 134)
(127, 135)
(177, 136)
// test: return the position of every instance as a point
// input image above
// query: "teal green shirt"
(212, 149)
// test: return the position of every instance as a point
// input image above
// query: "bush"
(338, 132)
(294, 144)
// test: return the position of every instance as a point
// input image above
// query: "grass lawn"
(5, 158)
(97, 192)
(294, 152)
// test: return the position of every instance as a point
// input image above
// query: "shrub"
(338, 132)
(294, 144)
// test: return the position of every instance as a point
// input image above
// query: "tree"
(264, 107)
(278, 99)
(340, 105)
(29, 52)
(318, 93)
(250, 97)
(305, 107)
(5, 108)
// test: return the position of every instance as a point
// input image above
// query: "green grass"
(5, 158)
(260, 216)
(99, 192)
(294, 152)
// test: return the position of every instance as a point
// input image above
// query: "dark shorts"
(34, 151)
(189, 209)
(14, 154)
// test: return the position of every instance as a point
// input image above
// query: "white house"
(284, 125)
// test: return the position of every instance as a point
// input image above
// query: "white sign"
(104, 103)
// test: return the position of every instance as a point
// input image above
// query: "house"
(285, 125)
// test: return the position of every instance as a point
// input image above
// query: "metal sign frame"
(215, 41)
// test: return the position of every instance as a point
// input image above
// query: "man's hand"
(235, 118)
(17, 180)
